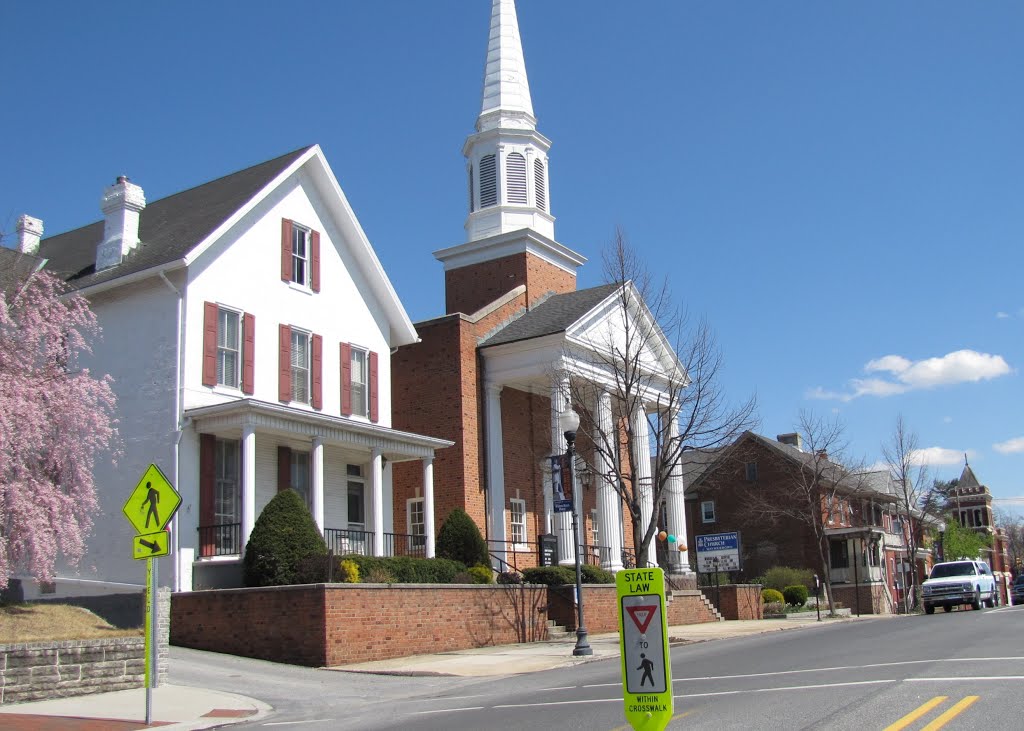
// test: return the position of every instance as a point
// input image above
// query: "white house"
(248, 326)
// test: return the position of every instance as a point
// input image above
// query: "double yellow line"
(926, 708)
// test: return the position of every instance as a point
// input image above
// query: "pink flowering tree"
(55, 419)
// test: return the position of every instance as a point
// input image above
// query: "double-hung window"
(300, 255)
(417, 526)
(300, 356)
(300, 477)
(226, 495)
(229, 348)
(517, 520)
(707, 511)
(360, 390)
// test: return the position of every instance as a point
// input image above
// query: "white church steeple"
(507, 158)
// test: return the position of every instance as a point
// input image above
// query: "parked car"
(959, 582)
(1017, 590)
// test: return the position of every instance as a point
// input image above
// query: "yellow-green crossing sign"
(643, 647)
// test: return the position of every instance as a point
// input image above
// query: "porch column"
(675, 505)
(563, 521)
(609, 525)
(377, 491)
(495, 472)
(428, 504)
(317, 467)
(642, 478)
(248, 482)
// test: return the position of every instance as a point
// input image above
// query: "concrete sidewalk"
(180, 707)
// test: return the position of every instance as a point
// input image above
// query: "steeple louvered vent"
(488, 181)
(540, 193)
(471, 190)
(516, 178)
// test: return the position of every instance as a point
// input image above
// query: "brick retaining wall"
(334, 624)
(600, 608)
(737, 601)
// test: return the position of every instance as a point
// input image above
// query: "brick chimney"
(792, 439)
(30, 230)
(121, 204)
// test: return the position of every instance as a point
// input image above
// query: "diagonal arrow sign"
(154, 547)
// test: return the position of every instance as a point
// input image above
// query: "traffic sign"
(643, 647)
(152, 503)
(151, 545)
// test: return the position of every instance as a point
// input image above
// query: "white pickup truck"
(959, 582)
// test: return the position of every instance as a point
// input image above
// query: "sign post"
(149, 509)
(643, 647)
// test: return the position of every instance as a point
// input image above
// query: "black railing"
(628, 558)
(342, 541)
(224, 539)
(528, 554)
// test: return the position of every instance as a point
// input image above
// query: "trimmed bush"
(549, 575)
(348, 571)
(480, 574)
(594, 575)
(796, 595)
(779, 577)
(510, 578)
(459, 540)
(774, 607)
(404, 569)
(772, 596)
(284, 537)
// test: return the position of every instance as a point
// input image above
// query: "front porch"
(248, 451)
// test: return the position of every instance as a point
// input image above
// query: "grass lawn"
(40, 622)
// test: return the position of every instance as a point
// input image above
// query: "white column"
(609, 526)
(317, 467)
(495, 471)
(428, 504)
(675, 504)
(642, 478)
(563, 521)
(248, 483)
(377, 491)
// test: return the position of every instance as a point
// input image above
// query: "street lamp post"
(569, 421)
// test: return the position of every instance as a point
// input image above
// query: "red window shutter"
(373, 386)
(207, 480)
(346, 379)
(284, 368)
(314, 256)
(286, 250)
(248, 353)
(210, 312)
(318, 370)
(284, 468)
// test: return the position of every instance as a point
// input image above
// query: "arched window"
(540, 192)
(488, 182)
(515, 177)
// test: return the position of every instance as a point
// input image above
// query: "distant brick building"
(970, 503)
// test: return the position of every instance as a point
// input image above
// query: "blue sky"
(837, 186)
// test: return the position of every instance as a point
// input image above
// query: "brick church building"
(493, 373)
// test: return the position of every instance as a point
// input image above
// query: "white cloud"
(961, 366)
(1010, 446)
(947, 419)
(939, 456)
(1002, 316)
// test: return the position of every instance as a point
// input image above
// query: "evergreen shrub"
(459, 540)
(285, 536)
(772, 596)
(594, 575)
(779, 577)
(796, 595)
(549, 575)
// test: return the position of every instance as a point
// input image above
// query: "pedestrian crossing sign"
(643, 647)
(153, 502)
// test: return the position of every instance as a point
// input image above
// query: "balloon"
(671, 539)
(661, 536)
(682, 546)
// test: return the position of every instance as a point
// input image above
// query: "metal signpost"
(149, 509)
(643, 647)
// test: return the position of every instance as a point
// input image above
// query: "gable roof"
(554, 315)
(168, 228)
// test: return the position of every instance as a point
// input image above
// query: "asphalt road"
(962, 670)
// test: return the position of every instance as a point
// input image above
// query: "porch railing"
(224, 539)
(523, 555)
(342, 541)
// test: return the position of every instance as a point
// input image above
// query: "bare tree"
(663, 376)
(817, 488)
(915, 498)
(1013, 530)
